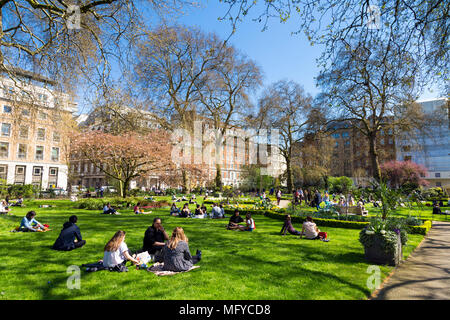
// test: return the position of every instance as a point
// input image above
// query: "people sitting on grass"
(185, 212)
(198, 214)
(107, 209)
(311, 232)
(174, 210)
(18, 203)
(176, 254)
(204, 209)
(287, 226)
(174, 198)
(70, 236)
(154, 239)
(137, 209)
(4, 209)
(216, 212)
(30, 224)
(116, 252)
(222, 210)
(436, 208)
(234, 221)
(250, 223)
(183, 198)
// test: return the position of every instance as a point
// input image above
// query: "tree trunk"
(290, 182)
(376, 171)
(219, 178)
(185, 181)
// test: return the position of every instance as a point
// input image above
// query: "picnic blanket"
(157, 269)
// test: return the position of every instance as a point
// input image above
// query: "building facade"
(431, 147)
(33, 141)
(351, 152)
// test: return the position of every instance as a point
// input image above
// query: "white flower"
(370, 232)
(383, 232)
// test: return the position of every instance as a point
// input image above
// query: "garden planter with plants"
(382, 248)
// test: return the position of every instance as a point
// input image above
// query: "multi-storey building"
(351, 151)
(33, 138)
(430, 147)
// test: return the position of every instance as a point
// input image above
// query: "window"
(336, 135)
(20, 169)
(42, 115)
(26, 112)
(43, 97)
(4, 149)
(382, 141)
(53, 171)
(344, 134)
(3, 172)
(391, 141)
(6, 129)
(347, 142)
(55, 154)
(438, 184)
(23, 132)
(37, 171)
(41, 134)
(22, 151)
(336, 144)
(7, 109)
(39, 153)
(437, 175)
(56, 137)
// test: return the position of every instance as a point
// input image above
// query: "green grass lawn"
(235, 265)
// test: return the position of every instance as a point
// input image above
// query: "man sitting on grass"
(234, 221)
(216, 212)
(154, 239)
(70, 236)
(109, 210)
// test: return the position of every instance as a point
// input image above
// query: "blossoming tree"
(127, 156)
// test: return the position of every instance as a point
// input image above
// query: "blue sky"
(279, 53)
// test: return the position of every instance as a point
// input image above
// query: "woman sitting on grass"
(287, 226)
(137, 209)
(116, 252)
(250, 223)
(198, 213)
(174, 210)
(185, 212)
(4, 209)
(311, 232)
(176, 253)
(28, 223)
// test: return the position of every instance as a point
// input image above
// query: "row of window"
(37, 174)
(22, 152)
(25, 112)
(24, 132)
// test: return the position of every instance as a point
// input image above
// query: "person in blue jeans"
(28, 223)
(317, 199)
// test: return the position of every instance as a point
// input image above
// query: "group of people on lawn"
(200, 212)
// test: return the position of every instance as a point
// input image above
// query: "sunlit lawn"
(235, 265)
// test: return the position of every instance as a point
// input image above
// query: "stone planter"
(376, 254)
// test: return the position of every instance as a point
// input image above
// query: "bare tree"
(285, 106)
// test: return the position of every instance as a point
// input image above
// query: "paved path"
(426, 273)
(283, 203)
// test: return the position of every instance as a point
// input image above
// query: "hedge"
(280, 215)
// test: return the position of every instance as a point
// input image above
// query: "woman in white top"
(310, 230)
(116, 251)
(250, 223)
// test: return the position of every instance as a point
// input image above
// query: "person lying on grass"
(177, 256)
(138, 210)
(185, 212)
(116, 252)
(250, 223)
(29, 223)
(234, 221)
(174, 210)
(287, 226)
(154, 239)
(109, 210)
(70, 236)
(311, 232)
